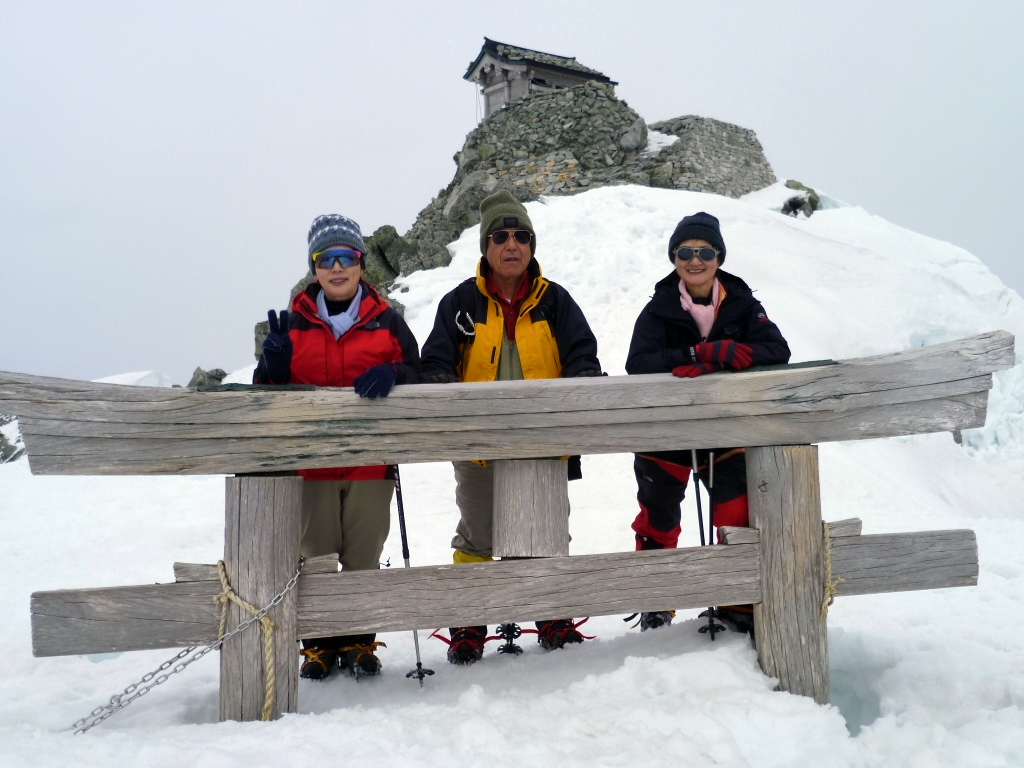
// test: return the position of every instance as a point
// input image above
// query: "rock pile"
(570, 140)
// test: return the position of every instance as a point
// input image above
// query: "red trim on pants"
(642, 526)
(677, 471)
(732, 512)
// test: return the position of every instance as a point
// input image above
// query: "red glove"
(727, 352)
(695, 370)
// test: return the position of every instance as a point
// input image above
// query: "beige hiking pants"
(350, 517)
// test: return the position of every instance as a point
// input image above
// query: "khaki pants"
(350, 517)
(474, 495)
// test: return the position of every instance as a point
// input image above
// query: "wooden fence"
(778, 564)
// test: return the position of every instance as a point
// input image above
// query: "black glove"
(588, 373)
(376, 382)
(277, 349)
(441, 378)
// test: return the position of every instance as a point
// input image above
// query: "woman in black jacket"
(700, 320)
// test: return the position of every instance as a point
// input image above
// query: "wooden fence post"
(531, 508)
(785, 505)
(261, 552)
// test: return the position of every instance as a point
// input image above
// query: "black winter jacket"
(665, 334)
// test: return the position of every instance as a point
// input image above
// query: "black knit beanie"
(700, 226)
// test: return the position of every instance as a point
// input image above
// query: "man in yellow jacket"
(507, 323)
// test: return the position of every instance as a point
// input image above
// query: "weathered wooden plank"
(71, 455)
(261, 552)
(729, 534)
(79, 427)
(734, 534)
(785, 506)
(80, 621)
(531, 508)
(848, 527)
(41, 397)
(901, 562)
(376, 421)
(203, 572)
(521, 590)
(70, 622)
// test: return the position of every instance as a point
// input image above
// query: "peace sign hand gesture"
(277, 349)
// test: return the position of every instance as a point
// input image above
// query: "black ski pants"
(661, 479)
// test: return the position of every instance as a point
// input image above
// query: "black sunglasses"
(706, 253)
(522, 236)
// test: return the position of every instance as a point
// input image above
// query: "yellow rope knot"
(830, 583)
(266, 628)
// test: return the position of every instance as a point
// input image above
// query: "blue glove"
(376, 382)
(277, 349)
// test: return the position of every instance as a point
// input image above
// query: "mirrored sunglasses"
(522, 236)
(706, 253)
(345, 256)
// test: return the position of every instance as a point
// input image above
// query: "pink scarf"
(702, 314)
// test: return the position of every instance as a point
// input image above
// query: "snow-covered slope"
(922, 679)
(138, 379)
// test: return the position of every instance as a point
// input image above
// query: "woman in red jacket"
(341, 333)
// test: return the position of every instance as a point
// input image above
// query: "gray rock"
(806, 203)
(210, 378)
(636, 137)
(260, 332)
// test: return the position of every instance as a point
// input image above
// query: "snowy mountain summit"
(929, 678)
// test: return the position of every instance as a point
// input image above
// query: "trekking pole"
(420, 672)
(696, 492)
(711, 627)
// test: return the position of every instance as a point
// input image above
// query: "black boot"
(360, 660)
(738, 618)
(656, 619)
(557, 633)
(318, 663)
(467, 645)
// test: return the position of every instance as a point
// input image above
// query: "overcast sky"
(160, 163)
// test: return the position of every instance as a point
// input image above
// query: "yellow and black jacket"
(553, 338)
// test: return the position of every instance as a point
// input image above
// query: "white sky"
(160, 163)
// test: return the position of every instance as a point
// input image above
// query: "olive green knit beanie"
(501, 211)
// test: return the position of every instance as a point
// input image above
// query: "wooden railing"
(778, 564)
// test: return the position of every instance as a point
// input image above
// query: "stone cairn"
(561, 143)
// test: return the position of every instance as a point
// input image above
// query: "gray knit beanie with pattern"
(331, 230)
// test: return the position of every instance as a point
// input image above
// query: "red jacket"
(380, 336)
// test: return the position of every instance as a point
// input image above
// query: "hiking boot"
(656, 620)
(467, 645)
(558, 633)
(738, 618)
(360, 660)
(318, 662)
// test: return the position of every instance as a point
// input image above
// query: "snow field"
(918, 679)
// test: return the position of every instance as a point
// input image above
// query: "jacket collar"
(665, 302)
(305, 303)
(483, 270)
